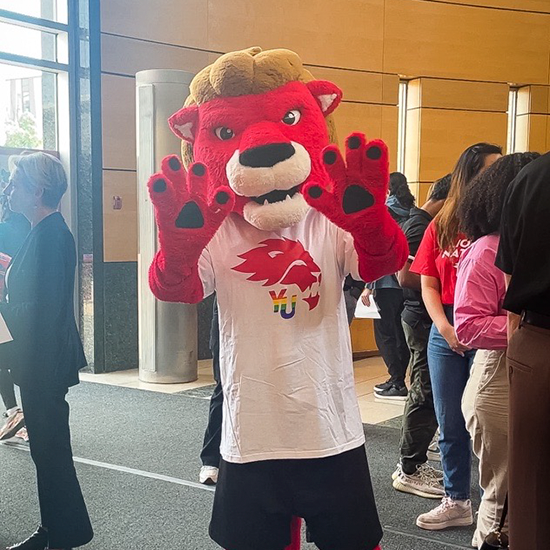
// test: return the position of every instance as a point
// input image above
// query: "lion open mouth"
(276, 196)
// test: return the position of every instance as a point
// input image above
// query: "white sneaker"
(208, 475)
(433, 449)
(428, 470)
(450, 513)
(397, 473)
(425, 482)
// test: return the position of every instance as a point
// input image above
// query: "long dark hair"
(481, 207)
(400, 189)
(469, 165)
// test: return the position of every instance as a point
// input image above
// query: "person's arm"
(431, 294)
(52, 262)
(365, 296)
(478, 320)
(407, 279)
(513, 318)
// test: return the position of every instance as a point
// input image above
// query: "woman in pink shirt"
(480, 323)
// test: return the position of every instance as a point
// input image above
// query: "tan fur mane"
(246, 72)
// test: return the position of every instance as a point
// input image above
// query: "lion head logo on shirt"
(287, 263)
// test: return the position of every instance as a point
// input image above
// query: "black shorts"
(254, 503)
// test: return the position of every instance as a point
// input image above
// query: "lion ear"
(327, 95)
(184, 123)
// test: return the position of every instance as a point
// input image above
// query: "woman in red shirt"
(449, 361)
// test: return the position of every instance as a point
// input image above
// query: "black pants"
(62, 508)
(419, 421)
(351, 295)
(7, 389)
(388, 333)
(255, 502)
(210, 454)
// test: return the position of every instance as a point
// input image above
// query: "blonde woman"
(46, 352)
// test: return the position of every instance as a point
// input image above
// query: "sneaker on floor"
(384, 386)
(450, 513)
(13, 424)
(434, 452)
(423, 483)
(433, 472)
(208, 475)
(434, 455)
(393, 394)
(426, 469)
(398, 471)
(23, 434)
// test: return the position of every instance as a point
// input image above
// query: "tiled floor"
(368, 372)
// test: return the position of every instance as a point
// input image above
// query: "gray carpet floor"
(122, 435)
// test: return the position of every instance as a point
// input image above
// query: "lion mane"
(247, 72)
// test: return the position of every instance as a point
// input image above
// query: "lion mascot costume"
(267, 213)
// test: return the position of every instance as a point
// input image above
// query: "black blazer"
(46, 347)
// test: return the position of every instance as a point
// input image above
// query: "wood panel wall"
(460, 55)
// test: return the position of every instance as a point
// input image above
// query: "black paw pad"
(356, 198)
(330, 157)
(315, 192)
(354, 142)
(199, 169)
(174, 164)
(190, 217)
(222, 197)
(374, 152)
(159, 186)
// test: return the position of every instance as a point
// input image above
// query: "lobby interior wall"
(460, 56)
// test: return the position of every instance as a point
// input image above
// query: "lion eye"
(224, 133)
(292, 117)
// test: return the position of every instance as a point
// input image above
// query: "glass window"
(28, 108)
(19, 40)
(54, 10)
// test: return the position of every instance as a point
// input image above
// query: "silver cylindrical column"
(167, 332)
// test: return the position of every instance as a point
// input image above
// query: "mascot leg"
(295, 534)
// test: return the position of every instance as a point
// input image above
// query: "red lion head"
(258, 121)
(284, 262)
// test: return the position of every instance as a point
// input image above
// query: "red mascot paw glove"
(356, 202)
(187, 216)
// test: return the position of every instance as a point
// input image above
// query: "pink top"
(479, 320)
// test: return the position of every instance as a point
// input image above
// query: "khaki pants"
(485, 409)
(529, 371)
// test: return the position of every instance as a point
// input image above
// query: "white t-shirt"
(285, 350)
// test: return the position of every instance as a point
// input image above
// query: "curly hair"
(401, 190)
(481, 206)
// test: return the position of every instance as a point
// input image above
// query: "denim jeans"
(449, 373)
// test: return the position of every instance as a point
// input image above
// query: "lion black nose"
(266, 156)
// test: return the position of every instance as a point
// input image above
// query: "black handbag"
(497, 540)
